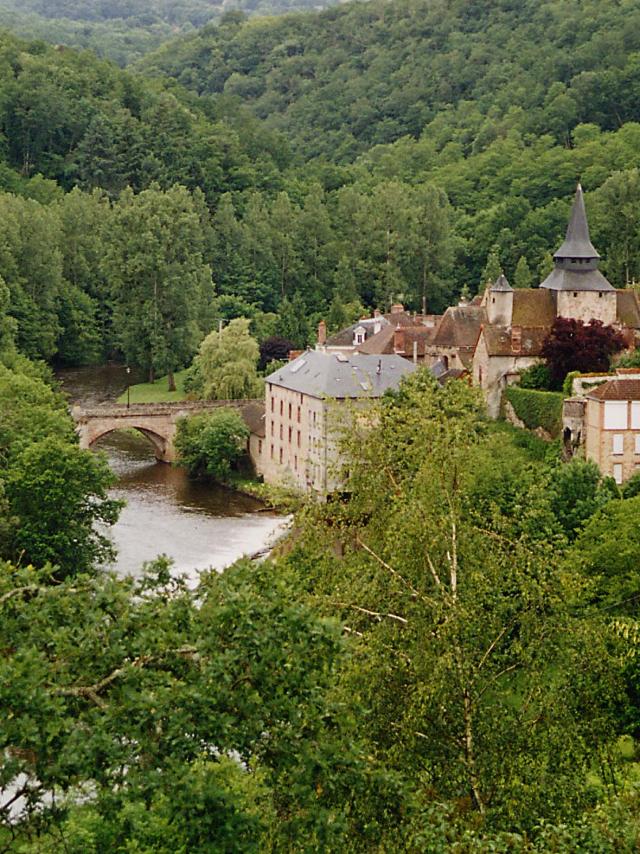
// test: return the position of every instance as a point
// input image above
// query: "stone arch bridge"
(157, 421)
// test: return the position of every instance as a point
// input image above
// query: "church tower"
(579, 288)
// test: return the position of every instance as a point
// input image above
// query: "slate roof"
(344, 338)
(576, 261)
(501, 284)
(571, 280)
(617, 389)
(500, 341)
(320, 374)
(460, 326)
(253, 415)
(577, 243)
(533, 307)
(383, 341)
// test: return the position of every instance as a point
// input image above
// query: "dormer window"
(359, 335)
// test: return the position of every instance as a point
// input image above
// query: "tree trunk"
(171, 380)
(152, 374)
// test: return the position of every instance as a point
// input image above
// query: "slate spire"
(577, 243)
(501, 284)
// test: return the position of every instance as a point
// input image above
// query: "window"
(259, 446)
(290, 429)
(618, 443)
(575, 293)
(273, 427)
(600, 294)
(298, 438)
(272, 452)
(299, 410)
(637, 447)
(281, 456)
(615, 415)
(617, 472)
(272, 402)
(290, 412)
(635, 414)
(281, 431)
(295, 463)
(314, 419)
(281, 407)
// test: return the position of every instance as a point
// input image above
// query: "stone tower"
(579, 288)
(500, 302)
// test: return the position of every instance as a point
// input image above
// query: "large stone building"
(605, 421)
(517, 322)
(304, 406)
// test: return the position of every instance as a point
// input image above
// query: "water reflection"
(196, 524)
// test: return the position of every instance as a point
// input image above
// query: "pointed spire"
(577, 243)
(501, 284)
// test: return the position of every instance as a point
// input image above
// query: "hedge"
(537, 408)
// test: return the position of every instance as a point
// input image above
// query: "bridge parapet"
(157, 421)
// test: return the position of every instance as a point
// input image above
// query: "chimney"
(516, 338)
(398, 340)
(396, 308)
(322, 333)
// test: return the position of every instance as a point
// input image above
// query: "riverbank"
(156, 392)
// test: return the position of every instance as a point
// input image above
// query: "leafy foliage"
(537, 408)
(225, 367)
(212, 443)
(572, 345)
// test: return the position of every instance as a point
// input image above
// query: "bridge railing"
(121, 410)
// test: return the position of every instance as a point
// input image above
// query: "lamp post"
(128, 386)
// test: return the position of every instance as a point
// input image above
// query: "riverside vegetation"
(446, 657)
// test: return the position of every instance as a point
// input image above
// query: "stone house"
(351, 338)
(518, 321)
(455, 337)
(303, 401)
(612, 427)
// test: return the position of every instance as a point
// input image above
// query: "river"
(196, 524)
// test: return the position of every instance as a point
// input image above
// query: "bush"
(212, 443)
(537, 408)
(537, 376)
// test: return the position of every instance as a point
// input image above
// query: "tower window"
(600, 294)
(575, 293)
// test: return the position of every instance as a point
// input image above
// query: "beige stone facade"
(308, 404)
(612, 428)
(588, 305)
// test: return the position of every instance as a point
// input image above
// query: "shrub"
(212, 443)
(537, 408)
(537, 376)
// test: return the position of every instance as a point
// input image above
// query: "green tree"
(161, 284)
(492, 268)
(58, 495)
(293, 321)
(225, 367)
(212, 443)
(523, 277)
(461, 615)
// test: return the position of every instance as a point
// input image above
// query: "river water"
(198, 525)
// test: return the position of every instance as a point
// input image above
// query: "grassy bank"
(157, 392)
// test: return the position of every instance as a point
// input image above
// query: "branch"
(34, 588)
(493, 645)
(390, 569)
(92, 692)
(376, 614)
(496, 677)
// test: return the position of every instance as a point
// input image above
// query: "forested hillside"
(125, 31)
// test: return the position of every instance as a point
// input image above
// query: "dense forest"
(125, 31)
(447, 657)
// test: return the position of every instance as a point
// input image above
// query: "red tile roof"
(618, 389)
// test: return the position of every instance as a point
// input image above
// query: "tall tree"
(162, 286)
(522, 277)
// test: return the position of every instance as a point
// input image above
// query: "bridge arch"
(159, 443)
